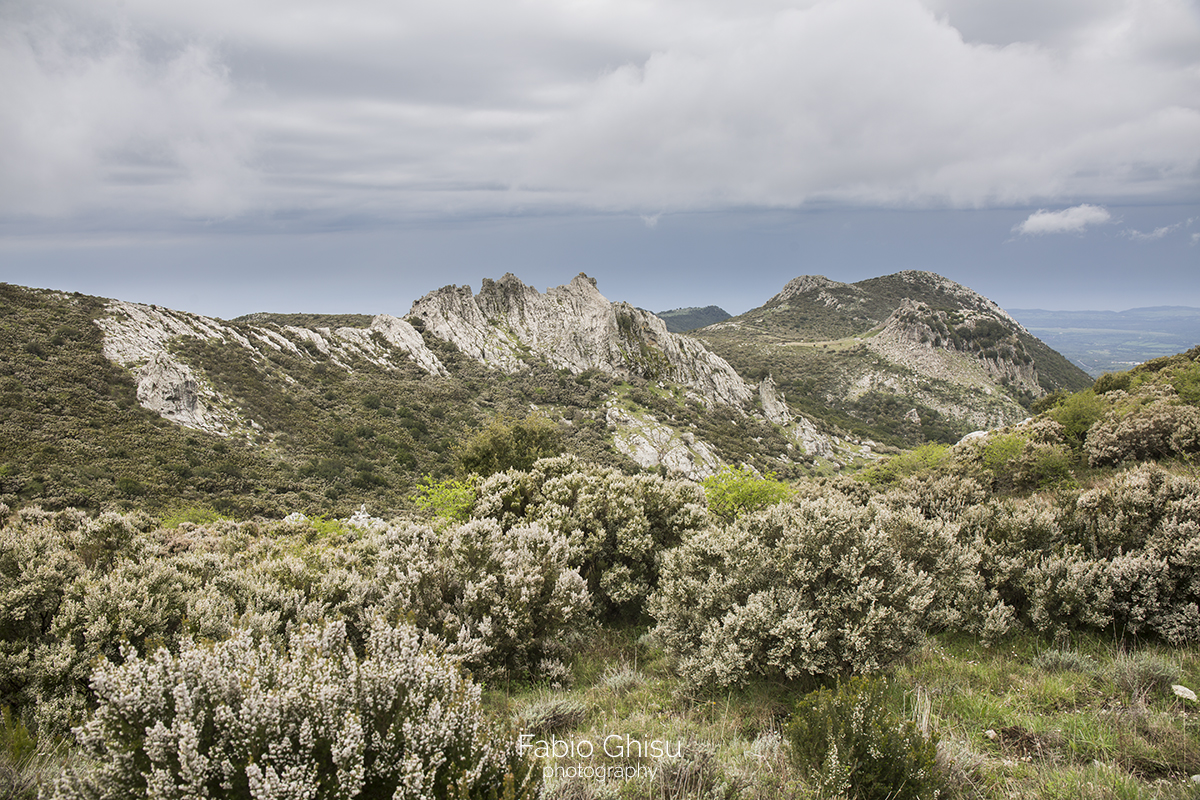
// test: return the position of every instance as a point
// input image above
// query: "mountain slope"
(901, 358)
(683, 320)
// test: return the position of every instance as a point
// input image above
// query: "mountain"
(899, 359)
(683, 320)
(106, 403)
(1112, 341)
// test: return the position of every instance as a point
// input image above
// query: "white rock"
(1184, 692)
(576, 328)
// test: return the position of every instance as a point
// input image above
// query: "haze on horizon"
(295, 155)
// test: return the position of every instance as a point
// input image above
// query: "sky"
(236, 156)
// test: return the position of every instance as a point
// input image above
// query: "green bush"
(450, 499)
(815, 588)
(510, 444)
(853, 745)
(735, 491)
(618, 524)
(246, 719)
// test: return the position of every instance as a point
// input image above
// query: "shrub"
(450, 499)
(1160, 429)
(809, 589)
(240, 719)
(854, 746)
(510, 444)
(507, 602)
(1077, 414)
(618, 524)
(735, 491)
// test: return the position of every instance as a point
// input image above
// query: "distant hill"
(682, 320)
(899, 359)
(1113, 341)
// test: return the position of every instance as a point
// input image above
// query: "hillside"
(683, 320)
(105, 403)
(900, 359)
(108, 403)
(1112, 341)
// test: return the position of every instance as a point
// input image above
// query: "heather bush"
(1160, 429)
(804, 589)
(618, 525)
(1145, 527)
(242, 718)
(507, 602)
(854, 746)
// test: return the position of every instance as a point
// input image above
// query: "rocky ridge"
(911, 354)
(576, 328)
(138, 337)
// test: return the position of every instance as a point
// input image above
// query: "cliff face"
(576, 328)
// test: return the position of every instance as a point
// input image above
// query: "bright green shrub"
(853, 745)
(815, 588)
(921, 459)
(618, 525)
(1077, 414)
(1032, 456)
(450, 499)
(246, 719)
(735, 491)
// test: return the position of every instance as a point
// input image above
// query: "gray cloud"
(377, 110)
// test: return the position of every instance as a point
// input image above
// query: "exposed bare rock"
(576, 328)
(774, 409)
(138, 338)
(652, 444)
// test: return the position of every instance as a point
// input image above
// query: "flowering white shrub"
(617, 524)
(247, 719)
(1160, 429)
(811, 588)
(506, 601)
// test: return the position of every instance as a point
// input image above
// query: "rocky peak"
(576, 328)
(807, 284)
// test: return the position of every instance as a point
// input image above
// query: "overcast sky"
(308, 155)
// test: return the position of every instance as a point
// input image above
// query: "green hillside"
(817, 339)
(682, 320)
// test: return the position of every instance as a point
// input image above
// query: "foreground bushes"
(852, 745)
(812, 588)
(618, 525)
(248, 719)
(507, 602)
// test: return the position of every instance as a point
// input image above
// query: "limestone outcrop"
(138, 337)
(576, 328)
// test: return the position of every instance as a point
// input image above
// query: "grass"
(1016, 720)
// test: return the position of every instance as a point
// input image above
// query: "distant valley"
(1113, 341)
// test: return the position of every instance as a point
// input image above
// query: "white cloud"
(1069, 220)
(372, 108)
(1157, 233)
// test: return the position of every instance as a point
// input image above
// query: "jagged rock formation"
(577, 328)
(138, 337)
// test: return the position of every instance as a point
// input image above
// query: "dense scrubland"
(1013, 616)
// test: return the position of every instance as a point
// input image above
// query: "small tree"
(510, 444)
(735, 491)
